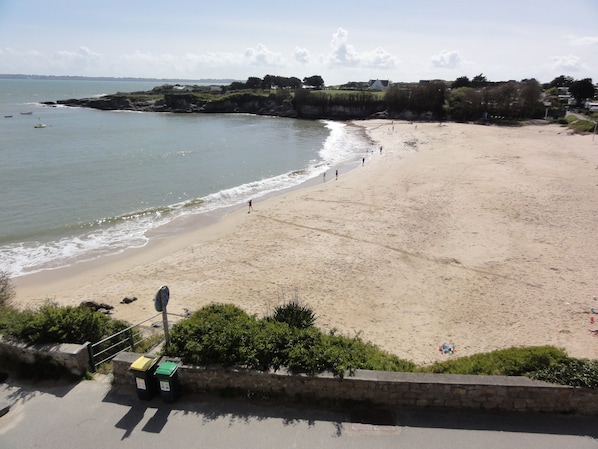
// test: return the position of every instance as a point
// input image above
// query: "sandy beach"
(479, 236)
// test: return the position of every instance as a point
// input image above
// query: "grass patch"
(580, 126)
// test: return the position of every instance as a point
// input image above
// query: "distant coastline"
(110, 78)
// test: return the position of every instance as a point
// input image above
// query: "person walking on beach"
(324, 176)
(337, 175)
(362, 161)
(250, 206)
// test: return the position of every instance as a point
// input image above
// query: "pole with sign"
(160, 303)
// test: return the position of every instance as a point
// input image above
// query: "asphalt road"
(93, 414)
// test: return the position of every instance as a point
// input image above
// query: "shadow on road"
(209, 407)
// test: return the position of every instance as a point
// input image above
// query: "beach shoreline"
(477, 236)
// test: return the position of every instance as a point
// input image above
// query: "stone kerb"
(386, 388)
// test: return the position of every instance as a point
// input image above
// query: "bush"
(505, 362)
(271, 344)
(306, 352)
(225, 335)
(217, 334)
(573, 372)
(56, 324)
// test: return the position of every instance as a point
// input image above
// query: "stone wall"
(73, 357)
(386, 388)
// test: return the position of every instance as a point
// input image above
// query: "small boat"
(40, 125)
(8, 116)
(27, 113)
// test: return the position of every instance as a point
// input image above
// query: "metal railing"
(127, 339)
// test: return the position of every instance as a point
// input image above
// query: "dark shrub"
(295, 315)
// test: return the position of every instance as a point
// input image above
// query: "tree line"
(460, 100)
(278, 82)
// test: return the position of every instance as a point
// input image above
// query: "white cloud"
(379, 58)
(583, 40)
(567, 63)
(259, 55)
(139, 56)
(263, 56)
(78, 61)
(447, 59)
(345, 54)
(302, 55)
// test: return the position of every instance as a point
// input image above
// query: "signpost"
(160, 303)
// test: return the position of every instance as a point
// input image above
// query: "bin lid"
(143, 363)
(167, 368)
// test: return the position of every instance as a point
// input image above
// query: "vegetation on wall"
(51, 323)
(225, 335)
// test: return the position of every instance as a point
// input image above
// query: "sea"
(77, 184)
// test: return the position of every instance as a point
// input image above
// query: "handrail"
(131, 334)
(124, 330)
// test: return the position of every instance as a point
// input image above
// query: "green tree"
(529, 98)
(428, 97)
(479, 81)
(237, 85)
(501, 100)
(561, 81)
(465, 104)
(253, 82)
(396, 99)
(462, 81)
(582, 90)
(315, 81)
(267, 82)
(294, 82)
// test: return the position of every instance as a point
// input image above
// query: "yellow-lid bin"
(143, 363)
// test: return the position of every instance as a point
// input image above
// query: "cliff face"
(337, 112)
(188, 103)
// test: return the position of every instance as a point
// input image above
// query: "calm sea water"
(94, 182)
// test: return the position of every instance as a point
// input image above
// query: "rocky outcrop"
(105, 103)
(248, 103)
(185, 103)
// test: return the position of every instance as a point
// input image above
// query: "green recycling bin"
(168, 381)
(143, 370)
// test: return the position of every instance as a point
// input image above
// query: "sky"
(342, 41)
